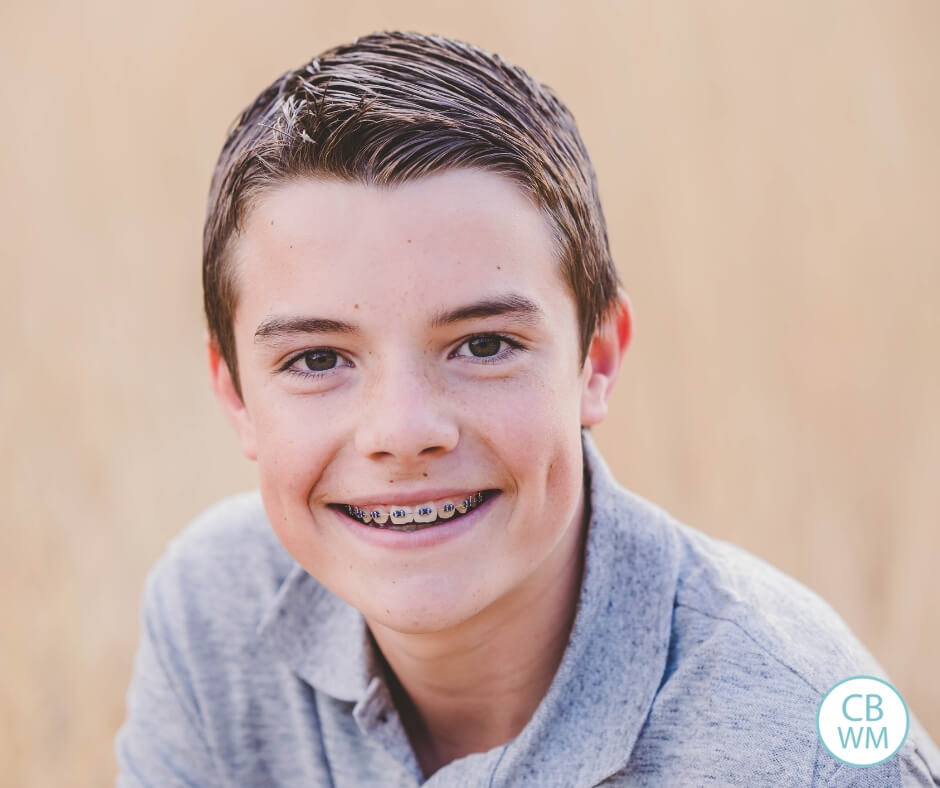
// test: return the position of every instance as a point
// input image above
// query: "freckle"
(291, 246)
(425, 475)
(409, 240)
(272, 222)
(499, 268)
(355, 306)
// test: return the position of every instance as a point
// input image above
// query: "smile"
(414, 518)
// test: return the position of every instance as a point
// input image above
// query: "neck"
(475, 686)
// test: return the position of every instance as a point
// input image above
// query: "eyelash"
(309, 374)
(513, 347)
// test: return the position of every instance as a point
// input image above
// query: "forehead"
(422, 243)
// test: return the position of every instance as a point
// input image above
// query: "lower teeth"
(409, 526)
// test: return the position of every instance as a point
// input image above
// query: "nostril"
(406, 431)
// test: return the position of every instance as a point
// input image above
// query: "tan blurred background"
(771, 178)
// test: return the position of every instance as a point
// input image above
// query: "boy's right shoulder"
(223, 569)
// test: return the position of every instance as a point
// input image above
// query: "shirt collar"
(324, 640)
(589, 720)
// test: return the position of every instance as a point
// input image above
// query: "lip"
(423, 538)
(413, 498)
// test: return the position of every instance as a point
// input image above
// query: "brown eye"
(319, 360)
(482, 347)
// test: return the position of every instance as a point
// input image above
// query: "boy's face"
(411, 345)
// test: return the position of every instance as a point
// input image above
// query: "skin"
(472, 625)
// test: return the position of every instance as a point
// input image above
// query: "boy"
(413, 316)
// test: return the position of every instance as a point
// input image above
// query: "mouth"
(391, 517)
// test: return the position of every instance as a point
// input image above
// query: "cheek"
(293, 442)
(291, 459)
(536, 434)
(283, 462)
(533, 421)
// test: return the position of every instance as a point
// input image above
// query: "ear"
(602, 366)
(231, 400)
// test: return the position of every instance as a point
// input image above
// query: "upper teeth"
(423, 513)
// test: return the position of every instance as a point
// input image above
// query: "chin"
(415, 613)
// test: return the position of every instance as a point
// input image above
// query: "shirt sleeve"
(916, 771)
(907, 769)
(162, 742)
(920, 762)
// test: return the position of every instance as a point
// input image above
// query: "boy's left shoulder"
(752, 653)
(727, 598)
(729, 657)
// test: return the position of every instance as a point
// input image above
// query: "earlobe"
(605, 357)
(230, 399)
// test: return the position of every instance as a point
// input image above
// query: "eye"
(319, 360)
(488, 347)
(484, 346)
(313, 363)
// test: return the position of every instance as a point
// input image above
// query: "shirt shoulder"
(207, 593)
(767, 649)
(726, 597)
(226, 560)
(206, 596)
(207, 700)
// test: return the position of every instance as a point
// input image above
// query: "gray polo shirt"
(690, 662)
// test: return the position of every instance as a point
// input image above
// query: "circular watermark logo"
(862, 721)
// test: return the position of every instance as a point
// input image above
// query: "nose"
(406, 416)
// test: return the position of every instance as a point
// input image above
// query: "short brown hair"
(392, 107)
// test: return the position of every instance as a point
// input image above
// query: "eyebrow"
(519, 307)
(513, 305)
(274, 328)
